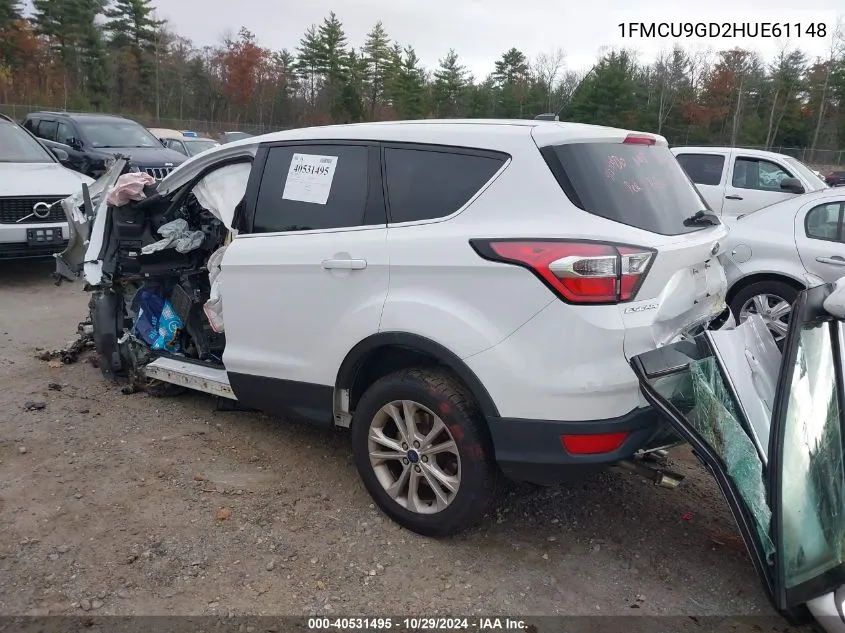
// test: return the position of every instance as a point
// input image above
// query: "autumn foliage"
(115, 55)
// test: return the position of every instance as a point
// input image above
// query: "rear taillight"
(639, 139)
(578, 272)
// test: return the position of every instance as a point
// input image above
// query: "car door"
(708, 170)
(71, 143)
(306, 277)
(753, 184)
(784, 482)
(47, 129)
(820, 239)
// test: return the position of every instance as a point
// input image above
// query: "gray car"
(774, 253)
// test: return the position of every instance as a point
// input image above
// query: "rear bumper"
(532, 450)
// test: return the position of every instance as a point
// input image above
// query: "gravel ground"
(132, 505)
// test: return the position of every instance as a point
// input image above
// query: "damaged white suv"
(472, 298)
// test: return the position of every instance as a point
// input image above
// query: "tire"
(437, 396)
(773, 288)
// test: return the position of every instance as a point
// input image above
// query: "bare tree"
(837, 42)
(547, 67)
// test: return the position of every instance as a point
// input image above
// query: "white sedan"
(774, 253)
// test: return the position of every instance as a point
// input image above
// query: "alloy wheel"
(774, 311)
(414, 456)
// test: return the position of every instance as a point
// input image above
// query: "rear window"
(638, 185)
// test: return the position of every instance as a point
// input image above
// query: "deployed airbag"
(176, 234)
(223, 189)
(214, 306)
(129, 187)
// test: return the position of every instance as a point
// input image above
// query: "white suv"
(32, 182)
(466, 295)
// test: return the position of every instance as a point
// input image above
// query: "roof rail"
(75, 112)
(7, 118)
(549, 116)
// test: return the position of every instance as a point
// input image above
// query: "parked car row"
(475, 299)
(53, 153)
(185, 142)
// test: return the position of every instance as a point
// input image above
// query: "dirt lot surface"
(129, 504)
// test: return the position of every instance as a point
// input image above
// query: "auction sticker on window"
(310, 178)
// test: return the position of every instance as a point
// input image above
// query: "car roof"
(89, 116)
(479, 133)
(761, 153)
(489, 134)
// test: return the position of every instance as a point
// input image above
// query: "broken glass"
(714, 416)
(700, 394)
(813, 482)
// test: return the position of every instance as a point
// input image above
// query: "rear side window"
(47, 130)
(312, 187)
(429, 184)
(703, 169)
(638, 185)
(824, 222)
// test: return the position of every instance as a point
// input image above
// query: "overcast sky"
(481, 30)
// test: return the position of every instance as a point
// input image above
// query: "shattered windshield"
(117, 133)
(16, 146)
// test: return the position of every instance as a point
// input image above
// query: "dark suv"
(836, 179)
(91, 140)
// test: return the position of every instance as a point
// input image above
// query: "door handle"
(733, 197)
(834, 260)
(345, 264)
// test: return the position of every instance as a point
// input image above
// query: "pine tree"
(308, 64)
(377, 57)
(408, 84)
(512, 77)
(450, 81)
(10, 16)
(333, 62)
(10, 12)
(350, 107)
(76, 37)
(132, 24)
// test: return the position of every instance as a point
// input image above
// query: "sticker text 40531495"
(310, 178)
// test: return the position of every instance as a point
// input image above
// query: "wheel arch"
(753, 278)
(383, 353)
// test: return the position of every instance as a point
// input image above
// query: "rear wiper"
(702, 217)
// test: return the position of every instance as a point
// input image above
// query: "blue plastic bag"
(157, 324)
